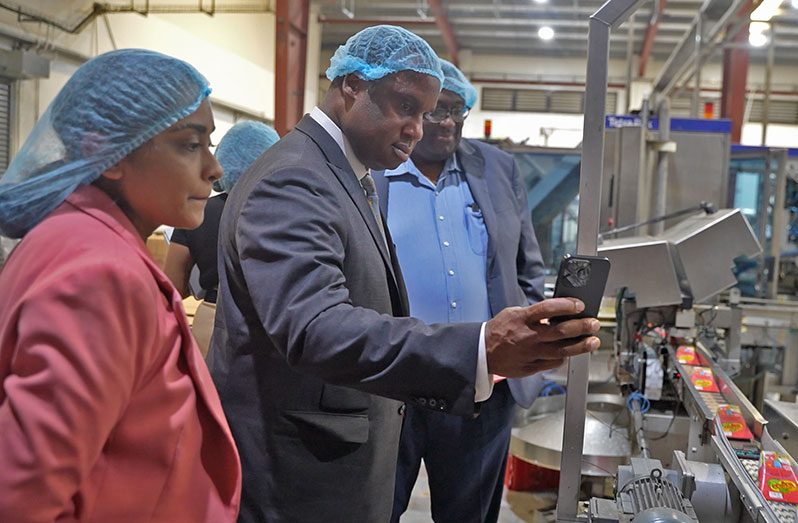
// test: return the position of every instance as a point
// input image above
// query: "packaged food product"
(703, 379)
(733, 423)
(777, 480)
(685, 354)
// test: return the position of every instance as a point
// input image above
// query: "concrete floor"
(517, 507)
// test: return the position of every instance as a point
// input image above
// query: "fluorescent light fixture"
(757, 39)
(547, 1)
(546, 33)
(758, 27)
(765, 10)
(757, 33)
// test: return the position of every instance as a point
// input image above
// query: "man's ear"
(352, 85)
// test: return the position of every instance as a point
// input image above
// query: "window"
(5, 123)
(539, 101)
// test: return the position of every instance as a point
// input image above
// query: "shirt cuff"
(483, 384)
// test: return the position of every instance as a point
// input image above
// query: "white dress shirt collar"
(333, 130)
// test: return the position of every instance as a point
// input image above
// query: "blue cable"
(645, 405)
(549, 388)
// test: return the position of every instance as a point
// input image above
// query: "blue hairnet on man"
(463, 234)
(313, 353)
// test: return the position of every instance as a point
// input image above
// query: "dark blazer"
(515, 267)
(308, 299)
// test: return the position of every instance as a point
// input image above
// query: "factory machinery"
(668, 425)
(656, 447)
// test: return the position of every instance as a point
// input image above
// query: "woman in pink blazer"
(107, 411)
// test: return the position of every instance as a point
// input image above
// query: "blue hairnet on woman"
(237, 150)
(107, 410)
(241, 146)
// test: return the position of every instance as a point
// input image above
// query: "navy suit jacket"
(306, 338)
(515, 266)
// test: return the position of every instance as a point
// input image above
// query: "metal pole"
(629, 59)
(768, 82)
(637, 426)
(609, 15)
(763, 279)
(778, 232)
(586, 243)
(696, 98)
(643, 210)
(661, 187)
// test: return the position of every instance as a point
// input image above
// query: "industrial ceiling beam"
(651, 34)
(445, 27)
(392, 20)
(735, 78)
(291, 57)
(714, 14)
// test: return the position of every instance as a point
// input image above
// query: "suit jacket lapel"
(340, 166)
(474, 166)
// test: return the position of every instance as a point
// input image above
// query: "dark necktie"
(367, 182)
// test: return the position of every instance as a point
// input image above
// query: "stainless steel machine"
(658, 437)
(653, 432)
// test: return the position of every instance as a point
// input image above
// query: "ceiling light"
(758, 27)
(547, 1)
(546, 33)
(757, 39)
(766, 10)
(795, 4)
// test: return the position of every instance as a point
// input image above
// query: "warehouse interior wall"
(236, 52)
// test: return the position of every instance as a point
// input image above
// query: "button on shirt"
(441, 243)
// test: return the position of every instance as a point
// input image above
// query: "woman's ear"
(116, 172)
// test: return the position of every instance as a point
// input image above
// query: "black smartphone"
(582, 277)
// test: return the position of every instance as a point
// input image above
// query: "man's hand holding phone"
(521, 341)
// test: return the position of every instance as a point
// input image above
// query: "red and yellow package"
(777, 480)
(733, 423)
(686, 355)
(703, 380)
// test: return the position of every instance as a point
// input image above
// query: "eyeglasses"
(458, 114)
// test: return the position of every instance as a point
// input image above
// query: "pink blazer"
(107, 411)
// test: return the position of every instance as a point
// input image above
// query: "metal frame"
(609, 16)
(680, 62)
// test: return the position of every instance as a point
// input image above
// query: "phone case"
(583, 277)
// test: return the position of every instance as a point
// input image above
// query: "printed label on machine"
(777, 480)
(703, 379)
(733, 423)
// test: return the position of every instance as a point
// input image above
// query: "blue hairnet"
(381, 50)
(455, 81)
(239, 148)
(111, 105)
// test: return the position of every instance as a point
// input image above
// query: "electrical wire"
(667, 430)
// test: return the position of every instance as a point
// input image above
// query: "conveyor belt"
(713, 400)
(784, 511)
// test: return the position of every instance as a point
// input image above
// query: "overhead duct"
(20, 64)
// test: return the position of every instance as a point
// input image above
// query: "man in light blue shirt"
(457, 213)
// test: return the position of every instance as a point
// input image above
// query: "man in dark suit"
(307, 328)
(458, 215)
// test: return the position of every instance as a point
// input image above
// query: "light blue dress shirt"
(441, 243)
